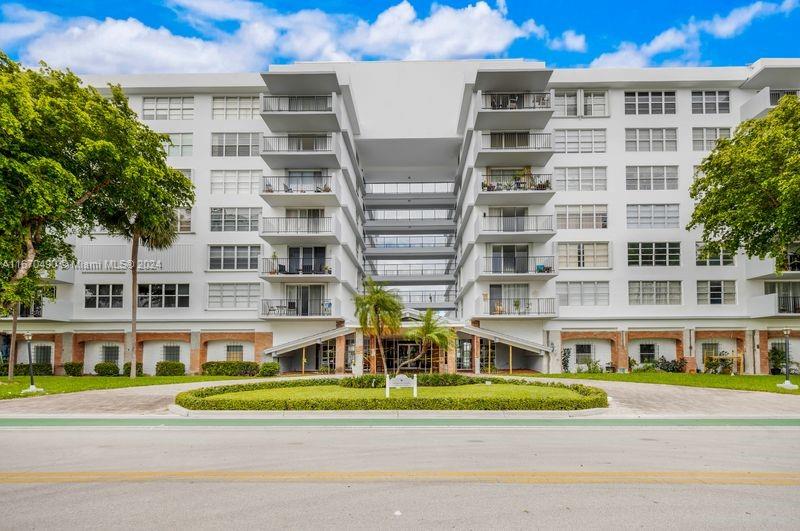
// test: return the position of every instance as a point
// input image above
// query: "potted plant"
(268, 188)
(516, 305)
(274, 264)
(777, 360)
(326, 269)
(326, 188)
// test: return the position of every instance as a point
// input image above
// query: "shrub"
(565, 356)
(270, 368)
(632, 364)
(442, 380)
(170, 368)
(777, 360)
(711, 366)
(73, 368)
(672, 365)
(363, 382)
(324, 370)
(106, 368)
(230, 368)
(126, 369)
(21, 369)
(593, 367)
(646, 367)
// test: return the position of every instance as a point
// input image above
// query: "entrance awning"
(506, 339)
(309, 340)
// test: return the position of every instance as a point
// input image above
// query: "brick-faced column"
(194, 352)
(476, 354)
(358, 362)
(340, 354)
(261, 342)
(58, 354)
(450, 364)
(373, 356)
(763, 351)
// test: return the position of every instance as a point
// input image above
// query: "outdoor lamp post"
(32, 388)
(787, 384)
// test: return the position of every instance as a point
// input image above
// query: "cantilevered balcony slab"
(515, 268)
(300, 270)
(516, 308)
(774, 305)
(302, 231)
(300, 114)
(513, 149)
(302, 151)
(514, 229)
(409, 226)
(512, 110)
(316, 191)
(300, 309)
(513, 188)
(757, 269)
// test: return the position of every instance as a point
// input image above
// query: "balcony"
(513, 149)
(514, 229)
(310, 309)
(283, 230)
(421, 194)
(424, 299)
(409, 220)
(299, 270)
(764, 101)
(774, 305)
(299, 113)
(411, 274)
(756, 268)
(305, 191)
(502, 268)
(414, 246)
(516, 308)
(302, 151)
(513, 110)
(513, 187)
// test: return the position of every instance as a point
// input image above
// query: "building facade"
(541, 211)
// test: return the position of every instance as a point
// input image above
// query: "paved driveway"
(627, 399)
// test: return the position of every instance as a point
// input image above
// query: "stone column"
(340, 354)
(450, 363)
(476, 354)
(749, 358)
(358, 362)
(554, 359)
(194, 352)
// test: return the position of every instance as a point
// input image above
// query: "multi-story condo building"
(540, 211)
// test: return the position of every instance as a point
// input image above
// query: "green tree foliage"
(429, 333)
(379, 312)
(748, 189)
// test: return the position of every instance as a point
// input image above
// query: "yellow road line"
(509, 477)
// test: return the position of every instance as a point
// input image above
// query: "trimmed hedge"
(170, 368)
(423, 380)
(230, 368)
(73, 368)
(126, 369)
(106, 368)
(270, 368)
(590, 397)
(21, 369)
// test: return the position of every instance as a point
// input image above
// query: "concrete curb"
(384, 414)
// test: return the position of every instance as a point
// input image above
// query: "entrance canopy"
(524, 344)
(309, 340)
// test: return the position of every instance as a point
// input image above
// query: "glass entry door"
(305, 299)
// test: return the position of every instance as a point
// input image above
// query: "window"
(110, 354)
(168, 108)
(709, 349)
(102, 296)
(585, 293)
(180, 145)
(594, 103)
(234, 352)
(236, 181)
(647, 352)
(574, 102)
(36, 306)
(651, 139)
(234, 295)
(565, 103)
(651, 177)
(659, 292)
(582, 254)
(163, 296)
(654, 253)
(171, 353)
(231, 257)
(723, 258)
(234, 144)
(43, 354)
(584, 179)
(234, 107)
(711, 102)
(653, 216)
(184, 220)
(653, 102)
(582, 216)
(584, 353)
(716, 292)
(705, 138)
(234, 219)
(579, 140)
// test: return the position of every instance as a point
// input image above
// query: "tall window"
(723, 258)
(584, 353)
(234, 219)
(716, 292)
(582, 254)
(234, 107)
(705, 138)
(43, 354)
(180, 145)
(664, 139)
(648, 352)
(234, 295)
(586, 293)
(110, 354)
(651, 177)
(565, 103)
(711, 102)
(575, 102)
(102, 296)
(582, 216)
(234, 353)
(171, 353)
(654, 292)
(652, 102)
(232, 257)
(653, 216)
(594, 103)
(709, 349)
(234, 144)
(163, 296)
(236, 181)
(579, 140)
(168, 108)
(584, 178)
(654, 253)
(184, 220)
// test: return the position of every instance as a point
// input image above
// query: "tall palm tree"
(428, 334)
(379, 312)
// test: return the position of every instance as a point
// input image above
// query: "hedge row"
(21, 369)
(73, 368)
(423, 380)
(170, 368)
(230, 368)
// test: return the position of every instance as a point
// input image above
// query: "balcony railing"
(425, 297)
(409, 270)
(519, 264)
(517, 223)
(295, 185)
(297, 266)
(788, 304)
(793, 262)
(407, 242)
(520, 306)
(776, 95)
(295, 225)
(409, 214)
(410, 188)
(296, 307)
(516, 100)
(297, 143)
(296, 103)
(515, 181)
(520, 141)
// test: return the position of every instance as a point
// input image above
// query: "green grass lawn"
(69, 384)
(719, 381)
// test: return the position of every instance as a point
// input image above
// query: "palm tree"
(379, 313)
(428, 334)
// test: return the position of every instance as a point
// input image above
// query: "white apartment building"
(539, 210)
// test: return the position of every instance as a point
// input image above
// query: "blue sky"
(93, 36)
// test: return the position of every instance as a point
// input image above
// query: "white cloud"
(569, 41)
(685, 40)
(21, 23)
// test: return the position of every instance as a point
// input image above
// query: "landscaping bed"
(367, 393)
(717, 381)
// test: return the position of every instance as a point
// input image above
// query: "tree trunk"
(12, 351)
(134, 300)
(409, 361)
